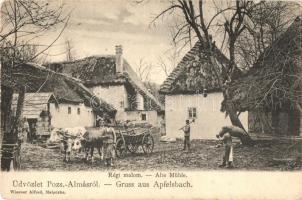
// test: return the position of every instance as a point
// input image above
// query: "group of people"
(226, 137)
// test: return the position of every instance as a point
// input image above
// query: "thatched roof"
(34, 103)
(37, 78)
(94, 70)
(193, 73)
(275, 80)
(101, 70)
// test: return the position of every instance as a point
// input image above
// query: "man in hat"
(187, 130)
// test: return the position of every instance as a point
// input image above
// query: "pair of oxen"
(81, 139)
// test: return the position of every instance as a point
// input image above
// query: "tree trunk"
(6, 101)
(232, 57)
(230, 109)
(6, 124)
(19, 110)
(229, 105)
(11, 134)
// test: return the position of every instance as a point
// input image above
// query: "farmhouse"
(36, 111)
(111, 77)
(54, 99)
(272, 90)
(192, 92)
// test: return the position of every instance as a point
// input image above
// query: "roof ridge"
(55, 72)
(166, 86)
(103, 71)
(84, 58)
(66, 78)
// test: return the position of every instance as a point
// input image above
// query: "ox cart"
(131, 140)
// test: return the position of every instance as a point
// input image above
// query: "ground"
(204, 155)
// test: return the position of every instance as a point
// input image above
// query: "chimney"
(119, 59)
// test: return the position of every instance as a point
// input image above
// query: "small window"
(144, 117)
(69, 110)
(192, 112)
(79, 111)
(122, 104)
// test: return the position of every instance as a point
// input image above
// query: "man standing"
(226, 135)
(25, 129)
(187, 129)
(109, 144)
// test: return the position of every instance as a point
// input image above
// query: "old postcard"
(141, 99)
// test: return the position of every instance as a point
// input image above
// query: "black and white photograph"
(151, 85)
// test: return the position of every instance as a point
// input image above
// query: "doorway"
(32, 123)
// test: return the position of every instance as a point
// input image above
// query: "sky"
(96, 26)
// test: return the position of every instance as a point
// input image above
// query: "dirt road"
(203, 156)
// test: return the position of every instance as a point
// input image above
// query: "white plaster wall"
(151, 116)
(209, 118)
(61, 118)
(113, 95)
(140, 101)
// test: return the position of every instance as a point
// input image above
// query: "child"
(228, 147)
(186, 130)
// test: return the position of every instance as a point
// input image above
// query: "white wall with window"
(144, 117)
(192, 112)
(205, 111)
(71, 115)
(115, 95)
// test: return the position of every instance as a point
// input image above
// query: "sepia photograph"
(125, 87)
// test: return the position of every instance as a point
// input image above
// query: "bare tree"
(169, 60)
(257, 24)
(143, 70)
(268, 20)
(234, 16)
(23, 22)
(164, 66)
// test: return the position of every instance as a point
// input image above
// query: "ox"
(93, 138)
(67, 137)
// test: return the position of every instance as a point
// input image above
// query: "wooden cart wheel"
(132, 148)
(148, 144)
(120, 149)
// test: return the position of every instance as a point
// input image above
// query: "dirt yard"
(203, 156)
